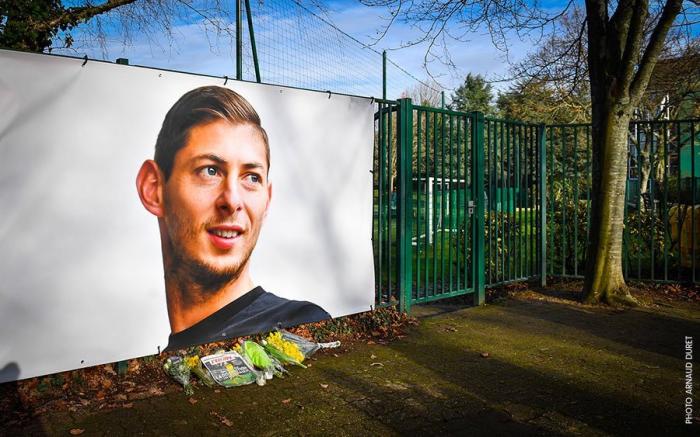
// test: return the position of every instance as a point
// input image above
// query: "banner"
(145, 209)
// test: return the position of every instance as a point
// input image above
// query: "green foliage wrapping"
(176, 367)
(256, 354)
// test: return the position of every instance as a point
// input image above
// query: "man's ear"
(149, 184)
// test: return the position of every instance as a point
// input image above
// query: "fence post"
(405, 208)
(542, 155)
(239, 42)
(477, 182)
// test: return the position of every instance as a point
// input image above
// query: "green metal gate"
(457, 203)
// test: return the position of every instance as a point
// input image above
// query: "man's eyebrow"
(211, 157)
(253, 166)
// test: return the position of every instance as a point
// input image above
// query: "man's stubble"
(197, 280)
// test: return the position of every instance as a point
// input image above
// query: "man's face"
(216, 198)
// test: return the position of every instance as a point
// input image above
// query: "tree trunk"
(604, 279)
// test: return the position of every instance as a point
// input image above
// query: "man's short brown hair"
(197, 107)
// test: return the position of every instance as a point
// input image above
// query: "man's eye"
(209, 171)
(254, 178)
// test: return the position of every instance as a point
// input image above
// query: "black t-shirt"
(255, 312)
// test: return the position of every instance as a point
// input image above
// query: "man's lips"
(224, 237)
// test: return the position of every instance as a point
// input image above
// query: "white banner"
(89, 221)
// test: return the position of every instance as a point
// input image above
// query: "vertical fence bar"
(459, 198)
(652, 175)
(679, 219)
(442, 202)
(551, 195)
(489, 138)
(563, 204)
(467, 217)
(589, 184)
(239, 41)
(390, 200)
(428, 211)
(529, 204)
(375, 185)
(450, 197)
(507, 188)
(477, 182)
(418, 205)
(434, 203)
(384, 74)
(501, 218)
(542, 145)
(575, 212)
(534, 201)
(405, 161)
(692, 205)
(253, 47)
(666, 227)
(380, 196)
(517, 195)
(638, 248)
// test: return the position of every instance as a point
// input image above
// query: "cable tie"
(85, 59)
(226, 80)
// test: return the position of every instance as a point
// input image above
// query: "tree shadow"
(638, 328)
(559, 403)
(413, 409)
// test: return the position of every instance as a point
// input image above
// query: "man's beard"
(196, 280)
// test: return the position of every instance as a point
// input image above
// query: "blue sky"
(303, 51)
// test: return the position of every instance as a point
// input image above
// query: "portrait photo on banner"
(175, 210)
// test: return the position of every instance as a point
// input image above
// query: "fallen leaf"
(134, 366)
(155, 391)
(484, 355)
(371, 342)
(371, 357)
(76, 431)
(324, 385)
(223, 419)
(217, 391)
(128, 405)
(286, 401)
(192, 401)
(377, 364)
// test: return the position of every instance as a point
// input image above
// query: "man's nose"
(230, 200)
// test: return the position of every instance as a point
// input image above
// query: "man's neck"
(185, 310)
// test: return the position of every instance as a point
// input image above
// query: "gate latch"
(471, 207)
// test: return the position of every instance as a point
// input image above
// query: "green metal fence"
(662, 211)
(463, 202)
(385, 235)
(514, 184)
